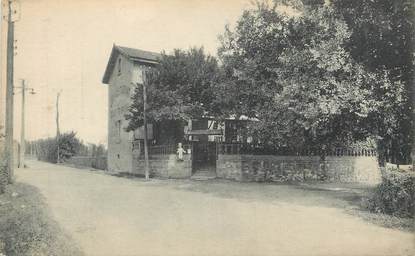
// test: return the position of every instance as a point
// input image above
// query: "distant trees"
(46, 149)
(69, 145)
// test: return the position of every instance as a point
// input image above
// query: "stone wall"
(362, 169)
(165, 166)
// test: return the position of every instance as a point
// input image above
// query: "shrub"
(47, 149)
(395, 195)
(3, 173)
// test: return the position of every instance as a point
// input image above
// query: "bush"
(3, 173)
(395, 195)
(47, 149)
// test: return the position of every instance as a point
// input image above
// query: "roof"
(135, 55)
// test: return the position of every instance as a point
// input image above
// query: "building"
(124, 70)
(211, 148)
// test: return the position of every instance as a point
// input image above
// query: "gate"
(204, 156)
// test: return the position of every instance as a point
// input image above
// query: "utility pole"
(146, 168)
(22, 129)
(57, 125)
(23, 123)
(10, 93)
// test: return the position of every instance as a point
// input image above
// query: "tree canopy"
(180, 87)
(316, 74)
(296, 76)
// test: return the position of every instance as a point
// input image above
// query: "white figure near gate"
(180, 152)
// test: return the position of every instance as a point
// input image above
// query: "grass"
(26, 226)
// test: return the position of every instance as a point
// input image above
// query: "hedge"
(395, 195)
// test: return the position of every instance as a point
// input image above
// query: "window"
(119, 66)
(118, 130)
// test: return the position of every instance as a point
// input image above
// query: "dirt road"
(110, 215)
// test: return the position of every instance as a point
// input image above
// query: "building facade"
(124, 70)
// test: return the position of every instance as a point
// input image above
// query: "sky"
(64, 46)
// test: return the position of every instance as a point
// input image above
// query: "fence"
(352, 152)
(159, 149)
(229, 148)
(239, 148)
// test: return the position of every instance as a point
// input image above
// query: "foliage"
(382, 39)
(3, 173)
(47, 149)
(395, 195)
(91, 149)
(181, 86)
(294, 74)
(98, 150)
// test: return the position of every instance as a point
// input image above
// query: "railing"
(239, 148)
(159, 149)
(352, 152)
(162, 150)
(229, 148)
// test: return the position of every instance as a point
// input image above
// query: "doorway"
(204, 157)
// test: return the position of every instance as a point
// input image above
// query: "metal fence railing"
(159, 149)
(229, 148)
(352, 152)
(240, 148)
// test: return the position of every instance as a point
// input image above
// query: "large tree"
(382, 39)
(295, 75)
(180, 87)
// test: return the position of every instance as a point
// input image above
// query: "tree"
(294, 74)
(180, 87)
(382, 39)
(69, 146)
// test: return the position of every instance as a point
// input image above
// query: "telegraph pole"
(146, 168)
(10, 93)
(22, 129)
(23, 123)
(57, 125)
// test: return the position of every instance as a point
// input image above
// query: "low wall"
(363, 169)
(86, 161)
(165, 166)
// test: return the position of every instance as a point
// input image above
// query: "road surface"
(108, 215)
